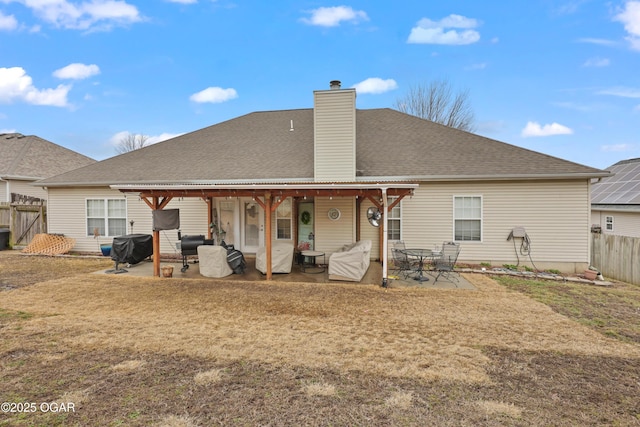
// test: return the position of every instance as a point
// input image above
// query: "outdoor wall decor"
(334, 214)
(305, 217)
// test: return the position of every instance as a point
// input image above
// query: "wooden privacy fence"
(25, 217)
(616, 257)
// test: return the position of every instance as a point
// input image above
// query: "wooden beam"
(328, 192)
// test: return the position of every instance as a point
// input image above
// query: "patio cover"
(157, 196)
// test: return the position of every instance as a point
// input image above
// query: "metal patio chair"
(445, 264)
(401, 263)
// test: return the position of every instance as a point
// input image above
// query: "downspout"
(384, 238)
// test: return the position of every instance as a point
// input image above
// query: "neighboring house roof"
(260, 148)
(32, 158)
(622, 189)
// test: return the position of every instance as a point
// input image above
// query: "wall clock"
(334, 214)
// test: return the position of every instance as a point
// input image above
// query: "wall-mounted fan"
(374, 215)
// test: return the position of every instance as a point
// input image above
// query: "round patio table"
(312, 255)
(421, 254)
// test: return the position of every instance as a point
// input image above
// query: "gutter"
(299, 186)
(368, 180)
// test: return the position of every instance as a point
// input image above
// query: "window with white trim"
(106, 216)
(394, 221)
(283, 220)
(467, 218)
(608, 220)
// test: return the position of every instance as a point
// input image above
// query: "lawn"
(175, 352)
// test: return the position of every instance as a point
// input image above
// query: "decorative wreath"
(305, 217)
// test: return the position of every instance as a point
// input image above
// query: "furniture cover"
(213, 261)
(281, 258)
(351, 262)
(132, 248)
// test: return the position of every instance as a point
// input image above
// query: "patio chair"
(445, 264)
(399, 245)
(401, 263)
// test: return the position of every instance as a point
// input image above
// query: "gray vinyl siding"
(332, 235)
(555, 215)
(335, 135)
(66, 214)
(624, 223)
(20, 187)
(4, 197)
(368, 231)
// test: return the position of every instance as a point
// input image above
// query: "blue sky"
(560, 77)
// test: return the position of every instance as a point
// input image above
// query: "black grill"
(189, 247)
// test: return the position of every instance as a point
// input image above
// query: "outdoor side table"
(312, 264)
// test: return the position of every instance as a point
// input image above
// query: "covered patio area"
(297, 275)
(270, 196)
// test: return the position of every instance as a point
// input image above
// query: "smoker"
(189, 247)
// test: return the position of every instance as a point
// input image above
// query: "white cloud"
(332, 16)
(214, 95)
(77, 71)
(534, 129)
(630, 18)
(618, 147)
(7, 22)
(375, 85)
(597, 62)
(8, 131)
(117, 138)
(623, 92)
(445, 31)
(600, 42)
(97, 14)
(16, 85)
(154, 139)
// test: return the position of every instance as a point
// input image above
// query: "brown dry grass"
(141, 350)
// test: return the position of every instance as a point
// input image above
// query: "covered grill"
(189, 247)
(130, 249)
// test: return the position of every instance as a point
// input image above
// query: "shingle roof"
(31, 157)
(623, 188)
(260, 147)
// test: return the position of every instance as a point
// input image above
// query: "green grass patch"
(613, 311)
(8, 315)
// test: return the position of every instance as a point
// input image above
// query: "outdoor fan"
(374, 215)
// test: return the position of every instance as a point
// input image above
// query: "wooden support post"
(267, 228)
(209, 217)
(156, 242)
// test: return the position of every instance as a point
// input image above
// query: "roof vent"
(334, 84)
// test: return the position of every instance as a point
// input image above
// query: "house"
(615, 200)
(26, 159)
(309, 176)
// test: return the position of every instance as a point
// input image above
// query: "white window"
(608, 223)
(106, 217)
(394, 223)
(283, 220)
(467, 217)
